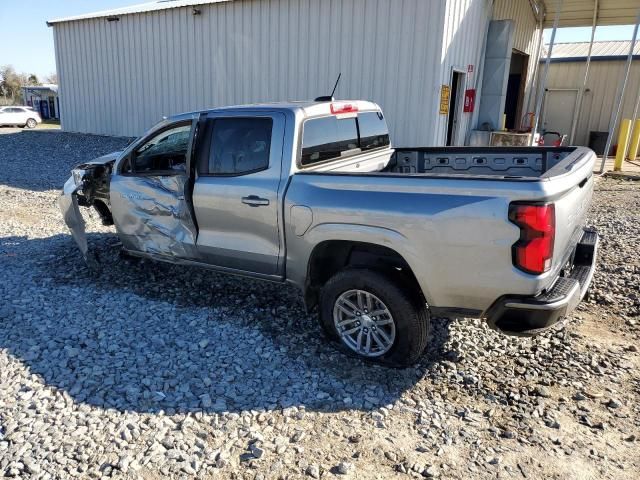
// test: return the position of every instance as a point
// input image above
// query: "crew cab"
(380, 239)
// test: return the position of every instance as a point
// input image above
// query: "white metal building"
(566, 75)
(120, 71)
(423, 61)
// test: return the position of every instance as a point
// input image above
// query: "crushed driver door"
(150, 193)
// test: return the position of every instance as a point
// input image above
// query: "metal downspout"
(620, 96)
(543, 84)
(576, 117)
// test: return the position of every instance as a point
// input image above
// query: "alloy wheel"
(364, 323)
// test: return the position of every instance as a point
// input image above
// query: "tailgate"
(569, 185)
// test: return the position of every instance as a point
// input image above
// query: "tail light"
(338, 108)
(533, 252)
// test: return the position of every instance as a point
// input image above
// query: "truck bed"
(504, 162)
(451, 205)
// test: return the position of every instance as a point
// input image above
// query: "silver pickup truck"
(380, 239)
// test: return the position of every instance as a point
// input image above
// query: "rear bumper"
(523, 315)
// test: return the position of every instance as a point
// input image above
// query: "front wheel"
(31, 123)
(375, 316)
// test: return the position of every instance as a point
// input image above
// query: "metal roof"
(139, 8)
(47, 86)
(579, 13)
(580, 50)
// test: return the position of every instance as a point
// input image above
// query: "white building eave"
(139, 8)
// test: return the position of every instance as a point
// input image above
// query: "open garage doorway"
(456, 101)
(515, 89)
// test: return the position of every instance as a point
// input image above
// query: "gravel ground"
(151, 371)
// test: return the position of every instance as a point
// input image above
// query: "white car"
(19, 116)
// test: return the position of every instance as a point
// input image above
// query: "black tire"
(407, 307)
(31, 123)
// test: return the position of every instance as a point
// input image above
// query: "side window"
(328, 137)
(373, 130)
(165, 152)
(237, 146)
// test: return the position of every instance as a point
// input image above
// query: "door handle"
(255, 201)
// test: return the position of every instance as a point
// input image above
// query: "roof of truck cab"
(309, 108)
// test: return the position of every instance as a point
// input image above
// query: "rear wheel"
(31, 123)
(374, 316)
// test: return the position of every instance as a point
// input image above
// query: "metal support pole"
(536, 66)
(635, 125)
(637, 107)
(576, 117)
(620, 96)
(543, 83)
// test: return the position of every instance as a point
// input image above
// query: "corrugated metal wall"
(526, 36)
(118, 78)
(526, 25)
(464, 30)
(600, 100)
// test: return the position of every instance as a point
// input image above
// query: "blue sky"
(583, 34)
(27, 42)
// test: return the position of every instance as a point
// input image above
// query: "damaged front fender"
(88, 186)
(68, 203)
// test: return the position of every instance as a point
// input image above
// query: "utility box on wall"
(469, 100)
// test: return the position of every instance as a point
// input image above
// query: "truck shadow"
(146, 336)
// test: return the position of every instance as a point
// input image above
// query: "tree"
(10, 83)
(32, 79)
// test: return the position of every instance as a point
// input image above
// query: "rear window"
(373, 130)
(327, 138)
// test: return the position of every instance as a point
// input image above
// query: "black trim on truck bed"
(504, 162)
(521, 315)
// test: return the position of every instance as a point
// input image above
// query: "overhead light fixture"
(113, 19)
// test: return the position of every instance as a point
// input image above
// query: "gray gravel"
(150, 370)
